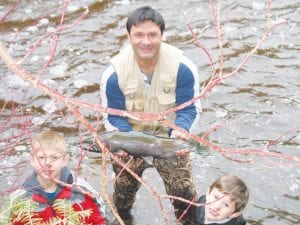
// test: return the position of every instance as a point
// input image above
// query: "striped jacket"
(45, 210)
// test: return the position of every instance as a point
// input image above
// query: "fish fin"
(148, 159)
(121, 154)
(182, 152)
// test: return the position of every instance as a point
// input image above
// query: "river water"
(248, 111)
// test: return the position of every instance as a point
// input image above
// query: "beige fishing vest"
(159, 96)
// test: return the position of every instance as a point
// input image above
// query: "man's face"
(48, 162)
(145, 39)
(219, 206)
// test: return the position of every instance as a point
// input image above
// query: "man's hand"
(177, 134)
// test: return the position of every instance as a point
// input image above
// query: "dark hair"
(235, 188)
(143, 14)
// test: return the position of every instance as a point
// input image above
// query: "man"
(151, 76)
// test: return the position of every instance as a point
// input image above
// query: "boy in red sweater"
(50, 195)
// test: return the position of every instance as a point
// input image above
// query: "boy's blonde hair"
(51, 139)
(235, 188)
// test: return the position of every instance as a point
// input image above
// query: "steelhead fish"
(140, 144)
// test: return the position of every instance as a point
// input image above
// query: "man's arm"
(112, 97)
(187, 88)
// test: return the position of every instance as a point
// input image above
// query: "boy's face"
(48, 162)
(219, 206)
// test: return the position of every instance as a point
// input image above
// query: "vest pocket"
(129, 105)
(139, 105)
(166, 90)
(133, 95)
(134, 102)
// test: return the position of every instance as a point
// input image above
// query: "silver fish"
(139, 144)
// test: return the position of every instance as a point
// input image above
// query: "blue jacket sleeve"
(116, 100)
(184, 92)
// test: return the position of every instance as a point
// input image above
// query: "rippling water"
(255, 107)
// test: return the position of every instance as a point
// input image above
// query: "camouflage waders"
(177, 180)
